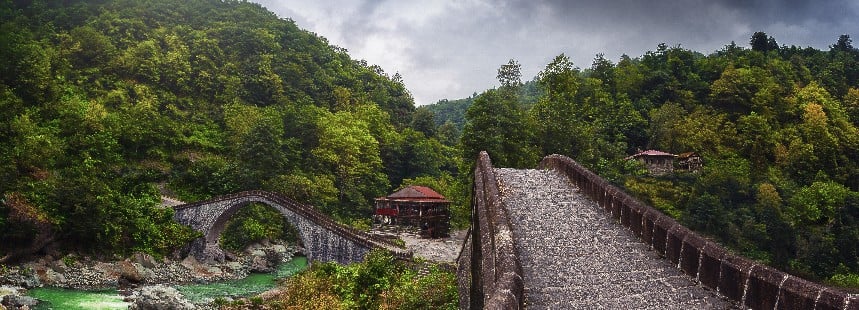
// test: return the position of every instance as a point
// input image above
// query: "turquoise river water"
(58, 298)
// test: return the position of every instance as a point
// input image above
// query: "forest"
(776, 127)
(106, 105)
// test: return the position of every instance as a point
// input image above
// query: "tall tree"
(496, 124)
(510, 74)
(844, 44)
(761, 42)
(423, 121)
(349, 152)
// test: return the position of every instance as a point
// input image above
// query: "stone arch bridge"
(323, 239)
(561, 237)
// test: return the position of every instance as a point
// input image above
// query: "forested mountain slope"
(102, 100)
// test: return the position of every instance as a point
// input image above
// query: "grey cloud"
(456, 52)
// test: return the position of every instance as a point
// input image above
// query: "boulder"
(59, 266)
(51, 277)
(9, 290)
(145, 260)
(107, 269)
(191, 263)
(274, 257)
(251, 247)
(159, 297)
(235, 266)
(230, 256)
(17, 301)
(129, 272)
(144, 272)
(279, 248)
(260, 264)
(23, 279)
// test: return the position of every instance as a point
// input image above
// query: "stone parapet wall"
(752, 284)
(489, 272)
(464, 272)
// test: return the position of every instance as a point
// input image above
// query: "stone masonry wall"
(323, 239)
(754, 285)
(489, 273)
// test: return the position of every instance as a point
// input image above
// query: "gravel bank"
(442, 250)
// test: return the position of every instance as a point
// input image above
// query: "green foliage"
(422, 121)
(816, 204)
(253, 223)
(379, 282)
(436, 290)
(498, 125)
(348, 150)
(776, 127)
(850, 280)
(663, 194)
(101, 100)
(104, 99)
(452, 111)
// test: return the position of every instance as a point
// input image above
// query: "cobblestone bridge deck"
(574, 256)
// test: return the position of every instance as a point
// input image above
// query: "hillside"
(107, 99)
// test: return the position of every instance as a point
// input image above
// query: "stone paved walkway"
(574, 256)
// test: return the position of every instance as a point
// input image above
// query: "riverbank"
(133, 276)
(441, 250)
(438, 250)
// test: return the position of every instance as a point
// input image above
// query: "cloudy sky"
(453, 48)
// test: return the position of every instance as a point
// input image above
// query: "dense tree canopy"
(107, 104)
(104, 102)
(776, 126)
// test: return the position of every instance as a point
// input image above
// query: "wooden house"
(415, 206)
(657, 162)
(690, 161)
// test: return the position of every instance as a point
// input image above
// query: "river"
(58, 298)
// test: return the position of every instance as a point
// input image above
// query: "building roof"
(687, 155)
(416, 192)
(650, 153)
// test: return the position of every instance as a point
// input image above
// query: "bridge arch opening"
(243, 211)
(254, 222)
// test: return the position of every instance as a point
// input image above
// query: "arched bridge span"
(323, 239)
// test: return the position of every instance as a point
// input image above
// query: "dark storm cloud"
(762, 13)
(450, 49)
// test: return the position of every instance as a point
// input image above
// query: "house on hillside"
(415, 206)
(657, 162)
(690, 161)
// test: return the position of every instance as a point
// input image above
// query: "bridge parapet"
(752, 284)
(489, 273)
(323, 238)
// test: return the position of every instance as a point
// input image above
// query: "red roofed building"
(416, 206)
